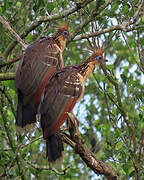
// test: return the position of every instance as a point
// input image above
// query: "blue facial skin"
(98, 58)
(66, 34)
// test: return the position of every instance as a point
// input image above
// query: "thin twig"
(10, 139)
(141, 149)
(91, 17)
(139, 51)
(23, 145)
(14, 60)
(125, 26)
(9, 100)
(132, 53)
(15, 35)
(42, 19)
(35, 166)
(109, 29)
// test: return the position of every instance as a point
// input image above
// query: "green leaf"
(132, 174)
(125, 9)
(111, 66)
(0, 10)
(50, 7)
(119, 145)
(19, 4)
(9, 83)
(124, 78)
(64, 4)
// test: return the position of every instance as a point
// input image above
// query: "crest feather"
(98, 51)
(63, 26)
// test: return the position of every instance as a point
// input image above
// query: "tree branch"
(10, 139)
(9, 101)
(35, 166)
(7, 76)
(141, 149)
(15, 59)
(24, 145)
(91, 17)
(88, 157)
(130, 50)
(42, 19)
(15, 35)
(122, 111)
(110, 29)
(125, 26)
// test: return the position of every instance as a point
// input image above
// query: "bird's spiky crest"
(63, 26)
(95, 49)
(94, 46)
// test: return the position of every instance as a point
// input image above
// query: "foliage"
(111, 113)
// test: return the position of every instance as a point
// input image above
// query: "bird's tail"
(26, 115)
(54, 148)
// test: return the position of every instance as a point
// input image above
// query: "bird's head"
(63, 31)
(97, 56)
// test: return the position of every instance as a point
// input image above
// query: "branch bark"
(7, 76)
(125, 26)
(91, 17)
(107, 30)
(76, 142)
(42, 19)
(15, 35)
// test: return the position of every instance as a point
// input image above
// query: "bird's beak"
(101, 60)
(69, 37)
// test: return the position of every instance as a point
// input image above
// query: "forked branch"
(76, 142)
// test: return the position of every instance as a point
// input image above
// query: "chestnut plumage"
(61, 93)
(39, 61)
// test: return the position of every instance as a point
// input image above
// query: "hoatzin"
(60, 95)
(40, 60)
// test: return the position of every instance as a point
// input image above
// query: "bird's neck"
(86, 69)
(61, 41)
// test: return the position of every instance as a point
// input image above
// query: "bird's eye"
(65, 33)
(98, 58)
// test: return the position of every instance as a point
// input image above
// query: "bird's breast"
(82, 81)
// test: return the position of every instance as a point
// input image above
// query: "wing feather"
(60, 96)
(36, 63)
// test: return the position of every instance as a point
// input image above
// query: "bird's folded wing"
(39, 61)
(60, 96)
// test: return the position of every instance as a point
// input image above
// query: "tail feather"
(26, 114)
(54, 147)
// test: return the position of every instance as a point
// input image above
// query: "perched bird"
(60, 95)
(40, 60)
